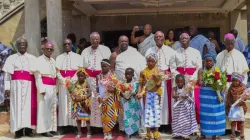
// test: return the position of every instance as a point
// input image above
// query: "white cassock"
(188, 62)
(46, 77)
(19, 79)
(233, 61)
(166, 63)
(66, 64)
(130, 58)
(92, 64)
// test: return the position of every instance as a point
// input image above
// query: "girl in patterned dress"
(184, 121)
(234, 93)
(150, 89)
(131, 105)
(80, 102)
(108, 99)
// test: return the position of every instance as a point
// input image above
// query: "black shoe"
(55, 133)
(48, 134)
(17, 136)
(31, 135)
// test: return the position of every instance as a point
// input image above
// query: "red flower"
(216, 75)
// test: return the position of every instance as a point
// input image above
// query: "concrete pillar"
(32, 26)
(54, 25)
(85, 26)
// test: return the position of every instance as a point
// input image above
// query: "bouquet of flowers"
(69, 84)
(126, 89)
(217, 79)
(246, 92)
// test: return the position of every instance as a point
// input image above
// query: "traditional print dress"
(184, 121)
(212, 113)
(80, 110)
(152, 101)
(131, 108)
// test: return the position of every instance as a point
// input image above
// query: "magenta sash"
(49, 81)
(93, 73)
(169, 91)
(25, 75)
(229, 76)
(190, 71)
(68, 73)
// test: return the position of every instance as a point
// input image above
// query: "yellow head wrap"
(83, 71)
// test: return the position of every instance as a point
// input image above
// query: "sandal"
(200, 137)
(242, 137)
(232, 137)
(148, 136)
(186, 138)
(157, 135)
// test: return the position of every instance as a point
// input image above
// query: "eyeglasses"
(49, 49)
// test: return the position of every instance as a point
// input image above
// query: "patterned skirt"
(152, 110)
(110, 112)
(132, 115)
(78, 113)
(212, 113)
(184, 121)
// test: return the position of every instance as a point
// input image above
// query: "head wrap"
(83, 71)
(238, 76)
(153, 56)
(210, 55)
(106, 61)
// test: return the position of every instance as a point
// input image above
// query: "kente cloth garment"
(152, 110)
(239, 45)
(247, 56)
(110, 112)
(212, 113)
(132, 110)
(146, 44)
(126, 60)
(184, 121)
(80, 110)
(19, 79)
(5, 52)
(46, 113)
(199, 41)
(166, 63)
(66, 64)
(92, 63)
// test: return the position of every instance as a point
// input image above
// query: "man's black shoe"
(48, 134)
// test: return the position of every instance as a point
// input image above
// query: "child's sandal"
(232, 137)
(157, 135)
(148, 136)
(242, 137)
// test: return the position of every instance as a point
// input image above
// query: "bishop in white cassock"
(92, 57)
(166, 63)
(231, 60)
(20, 83)
(66, 65)
(46, 118)
(188, 62)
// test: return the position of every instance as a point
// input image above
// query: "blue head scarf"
(210, 55)
(238, 76)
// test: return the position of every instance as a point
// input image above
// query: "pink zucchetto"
(49, 44)
(229, 36)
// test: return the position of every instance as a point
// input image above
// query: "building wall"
(161, 22)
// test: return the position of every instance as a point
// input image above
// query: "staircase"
(9, 7)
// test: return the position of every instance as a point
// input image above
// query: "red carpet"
(93, 137)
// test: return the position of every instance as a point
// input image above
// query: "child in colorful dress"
(234, 92)
(80, 102)
(184, 121)
(108, 99)
(150, 89)
(131, 105)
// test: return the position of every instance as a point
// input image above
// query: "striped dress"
(212, 113)
(184, 122)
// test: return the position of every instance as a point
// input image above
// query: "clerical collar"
(227, 52)
(46, 57)
(21, 54)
